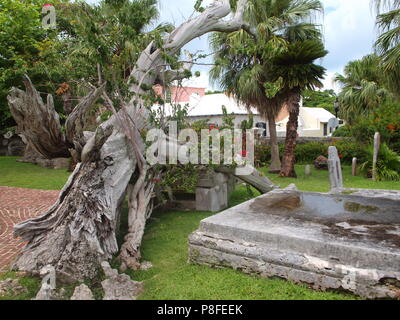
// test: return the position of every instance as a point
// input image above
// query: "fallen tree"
(38, 122)
(78, 232)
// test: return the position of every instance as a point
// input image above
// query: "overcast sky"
(349, 32)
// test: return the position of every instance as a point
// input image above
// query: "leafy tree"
(111, 35)
(388, 42)
(22, 42)
(363, 88)
(319, 99)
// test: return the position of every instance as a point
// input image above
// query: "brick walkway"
(17, 205)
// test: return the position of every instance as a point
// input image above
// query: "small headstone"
(212, 199)
(354, 167)
(307, 170)
(377, 145)
(335, 169)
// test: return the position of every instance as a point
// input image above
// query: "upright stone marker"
(354, 167)
(377, 145)
(307, 170)
(335, 169)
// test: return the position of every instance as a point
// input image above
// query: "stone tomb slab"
(330, 241)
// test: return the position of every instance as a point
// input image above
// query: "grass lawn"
(165, 244)
(26, 175)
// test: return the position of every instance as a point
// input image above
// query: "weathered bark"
(37, 121)
(289, 159)
(30, 155)
(151, 60)
(140, 210)
(67, 99)
(77, 120)
(79, 230)
(275, 166)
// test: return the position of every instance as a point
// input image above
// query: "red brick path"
(17, 205)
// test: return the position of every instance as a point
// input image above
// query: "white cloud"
(348, 30)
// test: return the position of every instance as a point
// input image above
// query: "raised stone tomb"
(330, 241)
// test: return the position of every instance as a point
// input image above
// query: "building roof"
(212, 105)
(321, 114)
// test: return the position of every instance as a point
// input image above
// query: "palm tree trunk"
(289, 158)
(275, 166)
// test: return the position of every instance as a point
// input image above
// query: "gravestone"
(212, 192)
(307, 170)
(354, 167)
(335, 169)
(377, 145)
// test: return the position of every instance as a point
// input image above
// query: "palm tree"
(243, 63)
(388, 43)
(296, 71)
(363, 87)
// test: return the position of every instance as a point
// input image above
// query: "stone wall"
(304, 140)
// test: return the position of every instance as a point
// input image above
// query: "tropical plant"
(388, 165)
(388, 42)
(22, 45)
(363, 88)
(296, 71)
(243, 63)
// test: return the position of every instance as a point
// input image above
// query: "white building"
(313, 122)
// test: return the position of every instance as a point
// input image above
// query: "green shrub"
(343, 132)
(308, 152)
(181, 178)
(385, 120)
(348, 149)
(388, 165)
(262, 154)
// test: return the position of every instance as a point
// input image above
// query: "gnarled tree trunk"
(289, 158)
(79, 230)
(38, 122)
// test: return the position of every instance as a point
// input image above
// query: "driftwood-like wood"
(38, 121)
(79, 231)
(77, 120)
